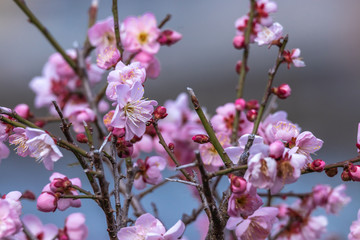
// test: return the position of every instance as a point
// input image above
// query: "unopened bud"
(81, 138)
(46, 202)
(251, 115)
(28, 195)
(239, 42)
(201, 138)
(118, 132)
(124, 148)
(60, 185)
(160, 112)
(276, 149)
(317, 165)
(252, 104)
(171, 146)
(22, 110)
(354, 172)
(238, 67)
(345, 175)
(240, 104)
(40, 123)
(331, 172)
(169, 37)
(283, 91)
(238, 184)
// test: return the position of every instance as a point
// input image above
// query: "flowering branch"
(116, 27)
(334, 165)
(33, 19)
(209, 130)
(243, 70)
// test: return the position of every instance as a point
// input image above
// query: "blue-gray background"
(324, 99)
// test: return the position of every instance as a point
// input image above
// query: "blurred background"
(324, 99)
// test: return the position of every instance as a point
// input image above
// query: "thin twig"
(116, 26)
(187, 219)
(165, 20)
(182, 181)
(151, 189)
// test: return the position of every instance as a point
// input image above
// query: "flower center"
(143, 38)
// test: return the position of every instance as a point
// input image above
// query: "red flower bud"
(345, 175)
(171, 146)
(354, 172)
(160, 112)
(238, 67)
(331, 172)
(317, 165)
(201, 138)
(80, 137)
(251, 115)
(169, 37)
(252, 104)
(28, 195)
(239, 42)
(283, 91)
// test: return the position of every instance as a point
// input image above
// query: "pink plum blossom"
(37, 229)
(263, 8)
(42, 147)
(124, 74)
(149, 171)
(150, 63)
(10, 210)
(209, 154)
(78, 113)
(19, 139)
(75, 228)
(269, 35)
(244, 204)
(102, 34)
(355, 229)
(266, 126)
(108, 57)
(293, 57)
(148, 227)
(358, 139)
(140, 34)
(132, 112)
(255, 227)
(4, 151)
(285, 131)
(331, 199)
(306, 143)
(261, 172)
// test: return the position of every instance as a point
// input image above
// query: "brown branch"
(165, 20)
(116, 26)
(187, 219)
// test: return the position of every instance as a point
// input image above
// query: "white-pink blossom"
(75, 227)
(149, 171)
(355, 229)
(102, 34)
(42, 147)
(269, 34)
(132, 112)
(10, 210)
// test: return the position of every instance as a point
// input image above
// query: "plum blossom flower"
(124, 74)
(77, 113)
(140, 33)
(59, 184)
(37, 229)
(263, 8)
(4, 151)
(19, 139)
(331, 199)
(75, 228)
(149, 171)
(148, 227)
(102, 34)
(42, 147)
(257, 226)
(305, 144)
(132, 112)
(285, 131)
(244, 204)
(269, 35)
(108, 57)
(209, 154)
(293, 57)
(355, 229)
(10, 211)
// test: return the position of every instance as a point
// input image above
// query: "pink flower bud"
(251, 115)
(283, 91)
(160, 113)
(81, 138)
(252, 104)
(169, 37)
(355, 172)
(201, 138)
(317, 165)
(118, 132)
(60, 184)
(238, 184)
(345, 175)
(276, 149)
(239, 41)
(240, 104)
(22, 110)
(238, 67)
(46, 202)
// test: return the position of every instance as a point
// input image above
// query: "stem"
(33, 19)
(227, 170)
(81, 197)
(165, 20)
(93, 9)
(272, 72)
(209, 130)
(242, 75)
(116, 26)
(169, 152)
(335, 165)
